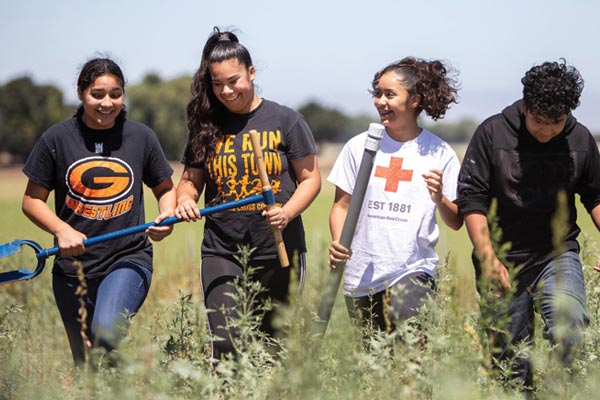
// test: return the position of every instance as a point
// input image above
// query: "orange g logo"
(99, 179)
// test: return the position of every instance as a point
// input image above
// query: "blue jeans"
(406, 298)
(109, 302)
(558, 294)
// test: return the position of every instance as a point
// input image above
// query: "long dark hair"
(205, 111)
(94, 69)
(428, 79)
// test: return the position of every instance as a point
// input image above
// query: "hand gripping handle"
(266, 186)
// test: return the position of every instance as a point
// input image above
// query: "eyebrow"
(230, 78)
(547, 120)
(103, 90)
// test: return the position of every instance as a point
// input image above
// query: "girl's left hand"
(276, 217)
(433, 180)
(158, 233)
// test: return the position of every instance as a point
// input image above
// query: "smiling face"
(543, 129)
(232, 85)
(102, 102)
(396, 107)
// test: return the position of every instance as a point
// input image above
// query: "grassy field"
(166, 349)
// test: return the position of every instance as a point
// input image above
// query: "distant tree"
(162, 106)
(152, 78)
(460, 131)
(327, 124)
(26, 111)
(358, 124)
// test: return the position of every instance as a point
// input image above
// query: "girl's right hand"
(338, 254)
(188, 210)
(70, 241)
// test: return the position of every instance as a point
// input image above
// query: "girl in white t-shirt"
(414, 173)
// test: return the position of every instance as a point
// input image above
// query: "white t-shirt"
(397, 230)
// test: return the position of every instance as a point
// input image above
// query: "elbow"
(316, 187)
(454, 223)
(457, 225)
(25, 206)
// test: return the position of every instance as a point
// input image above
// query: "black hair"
(205, 111)
(92, 70)
(552, 89)
(430, 80)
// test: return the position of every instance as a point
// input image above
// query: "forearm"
(186, 190)
(190, 185)
(309, 186)
(337, 216)
(41, 215)
(478, 231)
(338, 213)
(595, 214)
(449, 213)
(166, 199)
(166, 196)
(304, 195)
(70, 241)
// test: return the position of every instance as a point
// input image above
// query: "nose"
(546, 129)
(379, 101)
(227, 89)
(106, 101)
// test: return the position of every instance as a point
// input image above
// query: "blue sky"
(326, 50)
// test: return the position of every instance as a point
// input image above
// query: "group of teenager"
(527, 163)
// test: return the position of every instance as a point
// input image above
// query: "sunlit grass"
(36, 362)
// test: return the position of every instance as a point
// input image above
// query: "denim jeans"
(558, 294)
(109, 302)
(405, 299)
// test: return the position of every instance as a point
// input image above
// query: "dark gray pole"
(374, 135)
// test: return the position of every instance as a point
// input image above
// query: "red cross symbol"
(394, 174)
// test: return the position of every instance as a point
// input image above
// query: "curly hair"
(429, 79)
(552, 89)
(204, 111)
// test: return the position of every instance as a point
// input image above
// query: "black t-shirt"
(97, 180)
(232, 175)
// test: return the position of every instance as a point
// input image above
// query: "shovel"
(8, 249)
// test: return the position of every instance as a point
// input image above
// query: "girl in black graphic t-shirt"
(219, 162)
(95, 163)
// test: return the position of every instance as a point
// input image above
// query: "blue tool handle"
(266, 196)
(112, 235)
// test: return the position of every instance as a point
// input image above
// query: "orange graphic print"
(97, 187)
(234, 169)
(394, 174)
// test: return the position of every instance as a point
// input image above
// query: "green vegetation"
(162, 106)
(166, 355)
(28, 109)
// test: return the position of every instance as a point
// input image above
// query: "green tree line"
(27, 109)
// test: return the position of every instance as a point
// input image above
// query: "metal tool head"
(14, 247)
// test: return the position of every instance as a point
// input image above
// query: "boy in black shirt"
(532, 159)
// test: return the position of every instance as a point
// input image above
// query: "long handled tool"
(42, 254)
(372, 144)
(266, 187)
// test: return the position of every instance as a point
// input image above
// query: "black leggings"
(218, 275)
(405, 299)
